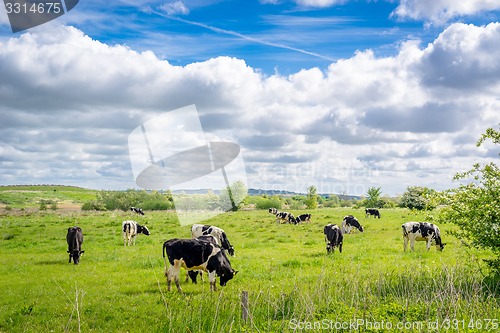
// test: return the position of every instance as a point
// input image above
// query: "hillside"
(28, 196)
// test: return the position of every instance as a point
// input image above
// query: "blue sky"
(343, 95)
(284, 37)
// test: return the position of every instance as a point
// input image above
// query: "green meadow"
(292, 284)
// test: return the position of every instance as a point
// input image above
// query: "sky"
(343, 95)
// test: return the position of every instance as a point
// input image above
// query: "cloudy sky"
(340, 94)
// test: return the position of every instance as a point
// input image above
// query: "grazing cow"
(198, 230)
(282, 216)
(348, 222)
(137, 210)
(194, 273)
(196, 254)
(303, 218)
(333, 237)
(130, 230)
(372, 211)
(74, 237)
(422, 231)
(285, 216)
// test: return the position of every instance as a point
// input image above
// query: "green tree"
(312, 198)
(475, 206)
(373, 198)
(232, 196)
(417, 197)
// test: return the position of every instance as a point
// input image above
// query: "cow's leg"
(405, 239)
(429, 241)
(212, 280)
(168, 274)
(176, 272)
(412, 243)
(69, 262)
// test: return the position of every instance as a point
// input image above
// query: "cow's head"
(439, 244)
(226, 276)
(76, 254)
(145, 231)
(231, 251)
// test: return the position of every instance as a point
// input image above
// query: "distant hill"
(253, 191)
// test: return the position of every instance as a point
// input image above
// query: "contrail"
(237, 34)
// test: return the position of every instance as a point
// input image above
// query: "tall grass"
(290, 279)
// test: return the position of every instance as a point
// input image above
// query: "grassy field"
(29, 197)
(293, 285)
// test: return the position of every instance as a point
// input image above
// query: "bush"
(93, 205)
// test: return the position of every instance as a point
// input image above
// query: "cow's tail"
(164, 257)
(405, 232)
(126, 226)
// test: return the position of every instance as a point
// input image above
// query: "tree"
(312, 198)
(417, 197)
(373, 198)
(232, 196)
(475, 206)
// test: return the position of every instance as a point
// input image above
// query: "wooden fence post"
(244, 306)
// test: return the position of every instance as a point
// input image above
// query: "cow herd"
(206, 250)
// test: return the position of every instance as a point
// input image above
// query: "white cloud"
(319, 3)
(175, 8)
(442, 11)
(69, 103)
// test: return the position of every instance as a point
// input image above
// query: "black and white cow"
(372, 211)
(285, 216)
(282, 216)
(137, 210)
(333, 237)
(303, 218)
(194, 273)
(348, 222)
(130, 230)
(198, 230)
(74, 237)
(422, 231)
(196, 254)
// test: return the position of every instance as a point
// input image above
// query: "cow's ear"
(67, 251)
(82, 251)
(235, 272)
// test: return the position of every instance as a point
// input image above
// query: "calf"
(198, 230)
(348, 222)
(74, 237)
(196, 254)
(422, 231)
(137, 210)
(333, 237)
(372, 211)
(303, 218)
(130, 230)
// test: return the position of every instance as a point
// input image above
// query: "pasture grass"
(293, 285)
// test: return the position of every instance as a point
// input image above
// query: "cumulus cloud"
(69, 103)
(442, 11)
